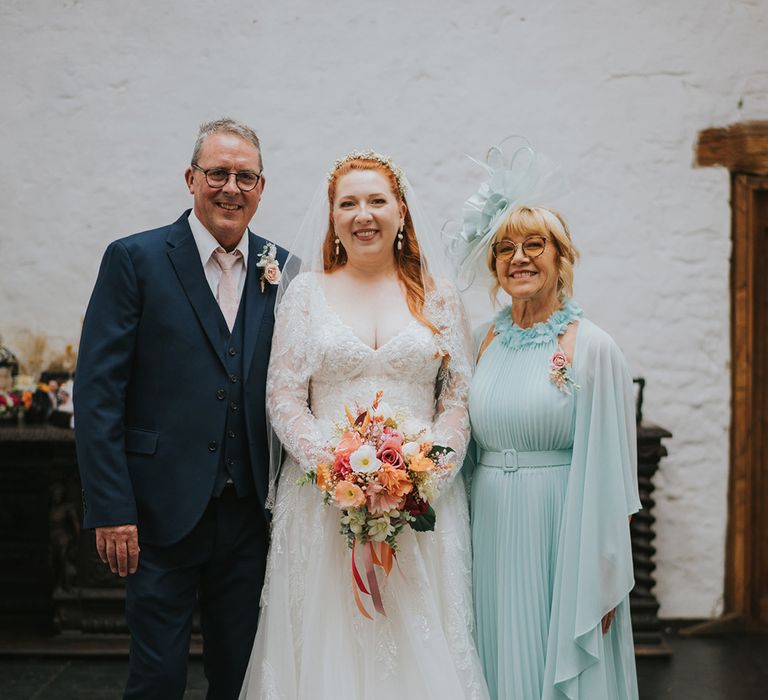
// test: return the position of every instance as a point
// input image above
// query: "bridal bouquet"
(381, 474)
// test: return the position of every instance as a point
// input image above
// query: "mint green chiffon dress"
(553, 481)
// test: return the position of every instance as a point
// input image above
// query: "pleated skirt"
(516, 519)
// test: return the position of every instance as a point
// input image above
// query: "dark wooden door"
(747, 565)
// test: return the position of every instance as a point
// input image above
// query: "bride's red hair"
(408, 260)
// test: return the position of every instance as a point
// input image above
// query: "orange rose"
(396, 481)
(349, 495)
(421, 463)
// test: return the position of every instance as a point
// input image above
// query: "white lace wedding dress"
(312, 641)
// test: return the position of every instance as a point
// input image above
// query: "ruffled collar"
(513, 336)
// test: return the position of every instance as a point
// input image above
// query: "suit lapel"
(185, 259)
(256, 302)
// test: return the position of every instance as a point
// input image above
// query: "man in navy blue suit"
(170, 420)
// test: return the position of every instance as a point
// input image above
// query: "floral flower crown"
(524, 178)
(372, 155)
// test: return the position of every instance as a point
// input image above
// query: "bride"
(365, 314)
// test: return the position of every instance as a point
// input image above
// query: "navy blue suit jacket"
(148, 415)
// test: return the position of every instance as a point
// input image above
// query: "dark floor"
(733, 667)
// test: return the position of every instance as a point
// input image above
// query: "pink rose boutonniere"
(269, 265)
(559, 373)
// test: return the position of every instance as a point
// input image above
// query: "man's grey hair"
(227, 126)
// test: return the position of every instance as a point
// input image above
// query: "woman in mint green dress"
(554, 481)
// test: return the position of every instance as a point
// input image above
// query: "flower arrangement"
(559, 373)
(381, 474)
(11, 404)
(270, 266)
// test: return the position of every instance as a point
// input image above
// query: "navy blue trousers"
(221, 564)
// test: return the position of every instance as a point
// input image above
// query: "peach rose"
(272, 273)
(349, 495)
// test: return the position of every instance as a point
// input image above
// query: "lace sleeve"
(290, 369)
(451, 423)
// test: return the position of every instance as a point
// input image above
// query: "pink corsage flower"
(270, 267)
(559, 373)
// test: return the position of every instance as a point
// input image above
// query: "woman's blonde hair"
(538, 221)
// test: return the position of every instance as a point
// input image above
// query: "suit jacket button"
(234, 378)
(221, 394)
(234, 406)
(213, 446)
(232, 352)
(231, 434)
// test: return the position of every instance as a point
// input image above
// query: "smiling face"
(225, 211)
(366, 216)
(525, 277)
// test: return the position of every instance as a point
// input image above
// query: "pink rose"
(391, 456)
(559, 360)
(272, 273)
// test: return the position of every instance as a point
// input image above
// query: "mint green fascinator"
(524, 177)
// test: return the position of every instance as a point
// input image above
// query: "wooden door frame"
(743, 149)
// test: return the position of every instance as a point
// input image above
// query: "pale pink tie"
(227, 296)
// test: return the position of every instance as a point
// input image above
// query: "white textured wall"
(101, 100)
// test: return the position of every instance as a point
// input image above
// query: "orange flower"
(396, 481)
(348, 444)
(380, 501)
(323, 477)
(420, 463)
(26, 399)
(349, 495)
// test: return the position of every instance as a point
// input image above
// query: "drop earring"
(338, 242)
(400, 239)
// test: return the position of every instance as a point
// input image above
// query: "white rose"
(363, 460)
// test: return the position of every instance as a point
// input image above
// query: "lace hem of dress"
(513, 336)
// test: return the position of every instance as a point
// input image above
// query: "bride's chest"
(411, 352)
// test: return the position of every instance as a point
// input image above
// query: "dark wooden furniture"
(649, 640)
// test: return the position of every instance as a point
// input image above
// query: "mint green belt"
(512, 460)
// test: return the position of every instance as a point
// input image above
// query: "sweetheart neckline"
(352, 332)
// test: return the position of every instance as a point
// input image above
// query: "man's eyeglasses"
(533, 246)
(218, 177)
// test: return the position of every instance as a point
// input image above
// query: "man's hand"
(118, 546)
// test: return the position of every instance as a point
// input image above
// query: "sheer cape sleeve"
(594, 571)
(451, 422)
(290, 368)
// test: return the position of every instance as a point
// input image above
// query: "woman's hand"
(607, 620)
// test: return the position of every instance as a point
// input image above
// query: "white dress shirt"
(206, 244)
